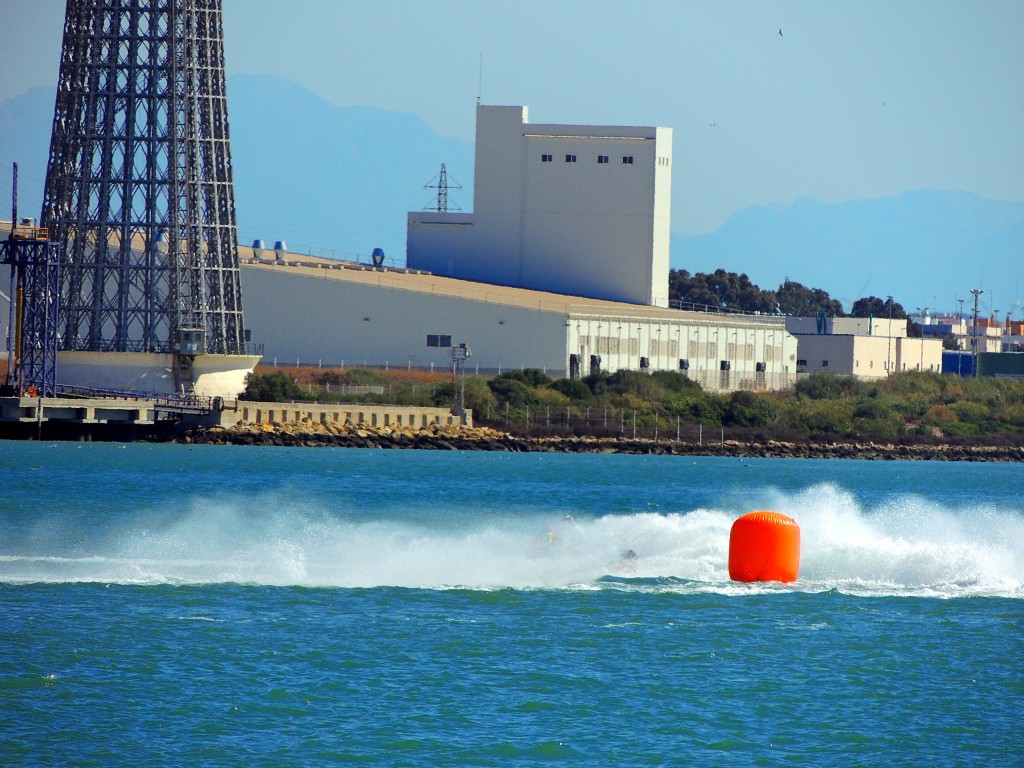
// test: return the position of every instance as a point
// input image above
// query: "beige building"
(868, 348)
(988, 336)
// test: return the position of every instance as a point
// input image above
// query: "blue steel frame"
(139, 189)
(35, 309)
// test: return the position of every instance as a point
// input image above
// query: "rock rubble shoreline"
(310, 434)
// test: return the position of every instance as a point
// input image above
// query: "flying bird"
(780, 33)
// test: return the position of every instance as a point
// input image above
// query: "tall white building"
(572, 209)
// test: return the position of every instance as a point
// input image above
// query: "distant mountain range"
(340, 180)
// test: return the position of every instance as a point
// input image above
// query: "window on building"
(627, 160)
(824, 363)
(801, 363)
(602, 159)
(570, 158)
(545, 158)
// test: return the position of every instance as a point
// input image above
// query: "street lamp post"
(921, 312)
(888, 340)
(976, 292)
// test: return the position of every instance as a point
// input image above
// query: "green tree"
(800, 301)
(271, 388)
(720, 290)
(508, 389)
(745, 409)
(872, 306)
(574, 389)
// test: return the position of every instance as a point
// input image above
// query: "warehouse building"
(310, 311)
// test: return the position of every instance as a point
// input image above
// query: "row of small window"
(601, 159)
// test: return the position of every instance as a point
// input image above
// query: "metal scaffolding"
(35, 305)
(139, 185)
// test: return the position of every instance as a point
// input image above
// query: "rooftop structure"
(573, 209)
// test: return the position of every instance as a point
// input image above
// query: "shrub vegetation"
(909, 406)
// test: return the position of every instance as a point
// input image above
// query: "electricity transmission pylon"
(442, 186)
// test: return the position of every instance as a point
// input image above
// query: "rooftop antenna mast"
(442, 186)
(14, 200)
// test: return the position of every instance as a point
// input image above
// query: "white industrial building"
(574, 209)
(310, 311)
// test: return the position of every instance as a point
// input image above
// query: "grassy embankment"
(906, 408)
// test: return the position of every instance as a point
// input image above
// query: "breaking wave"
(903, 546)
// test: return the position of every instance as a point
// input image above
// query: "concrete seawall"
(131, 418)
(247, 412)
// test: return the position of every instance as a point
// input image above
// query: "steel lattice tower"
(139, 184)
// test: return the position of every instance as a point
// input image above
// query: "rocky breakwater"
(436, 437)
(309, 434)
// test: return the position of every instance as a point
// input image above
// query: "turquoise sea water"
(220, 606)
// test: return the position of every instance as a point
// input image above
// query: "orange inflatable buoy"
(764, 546)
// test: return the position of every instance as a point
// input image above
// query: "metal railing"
(192, 403)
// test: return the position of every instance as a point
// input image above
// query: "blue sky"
(852, 100)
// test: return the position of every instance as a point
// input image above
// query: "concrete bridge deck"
(35, 410)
